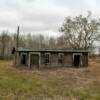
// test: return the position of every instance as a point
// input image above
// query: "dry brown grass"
(72, 83)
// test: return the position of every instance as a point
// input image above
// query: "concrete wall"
(54, 59)
(85, 59)
(68, 60)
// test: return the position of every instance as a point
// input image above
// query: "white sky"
(42, 16)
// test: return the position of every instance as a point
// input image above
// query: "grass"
(70, 83)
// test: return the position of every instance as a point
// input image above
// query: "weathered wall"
(17, 59)
(68, 60)
(54, 60)
(85, 59)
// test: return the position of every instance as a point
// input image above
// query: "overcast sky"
(42, 16)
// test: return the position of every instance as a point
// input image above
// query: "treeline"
(8, 41)
(80, 32)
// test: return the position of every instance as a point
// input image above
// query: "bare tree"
(61, 42)
(81, 32)
(52, 43)
(41, 41)
(4, 39)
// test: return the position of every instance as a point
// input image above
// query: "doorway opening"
(77, 60)
(34, 60)
(23, 59)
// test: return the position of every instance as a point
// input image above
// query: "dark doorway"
(23, 59)
(34, 60)
(47, 58)
(76, 60)
(61, 58)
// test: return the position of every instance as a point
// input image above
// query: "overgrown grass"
(24, 85)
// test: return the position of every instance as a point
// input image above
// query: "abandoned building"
(42, 58)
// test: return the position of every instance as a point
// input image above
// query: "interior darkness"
(61, 59)
(23, 60)
(76, 60)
